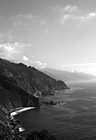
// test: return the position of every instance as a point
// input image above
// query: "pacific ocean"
(74, 118)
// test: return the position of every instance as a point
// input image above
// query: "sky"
(59, 34)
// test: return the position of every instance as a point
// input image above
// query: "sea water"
(74, 118)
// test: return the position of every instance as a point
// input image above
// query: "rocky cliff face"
(13, 96)
(19, 84)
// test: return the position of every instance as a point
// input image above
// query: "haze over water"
(59, 34)
(74, 118)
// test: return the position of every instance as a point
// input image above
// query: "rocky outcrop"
(19, 85)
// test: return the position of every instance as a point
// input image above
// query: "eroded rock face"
(13, 96)
(30, 79)
(20, 84)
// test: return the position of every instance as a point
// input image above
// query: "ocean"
(74, 118)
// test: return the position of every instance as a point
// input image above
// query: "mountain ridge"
(28, 81)
(68, 76)
(19, 87)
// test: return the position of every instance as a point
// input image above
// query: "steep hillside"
(68, 76)
(19, 84)
(13, 96)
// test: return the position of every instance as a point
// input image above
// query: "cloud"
(26, 19)
(22, 19)
(86, 68)
(81, 19)
(78, 65)
(69, 9)
(86, 18)
(65, 18)
(12, 51)
(15, 52)
(25, 58)
(65, 13)
(41, 65)
(72, 13)
(91, 16)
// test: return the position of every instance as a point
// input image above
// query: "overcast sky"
(53, 33)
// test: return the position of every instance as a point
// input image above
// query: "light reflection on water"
(74, 118)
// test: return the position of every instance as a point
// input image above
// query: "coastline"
(17, 111)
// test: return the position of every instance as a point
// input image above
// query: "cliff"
(13, 96)
(20, 84)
